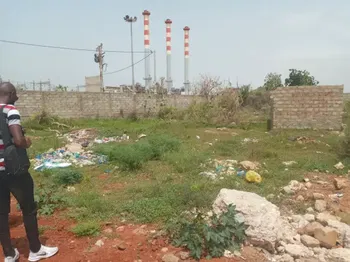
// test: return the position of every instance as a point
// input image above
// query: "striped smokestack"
(148, 78)
(169, 81)
(187, 54)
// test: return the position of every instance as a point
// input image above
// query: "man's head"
(8, 94)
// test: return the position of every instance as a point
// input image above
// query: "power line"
(65, 48)
(122, 69)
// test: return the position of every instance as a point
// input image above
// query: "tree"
(272, 81)
(208, 86)
(61, 88)
(300, 78)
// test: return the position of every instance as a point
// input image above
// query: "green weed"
(86, 229)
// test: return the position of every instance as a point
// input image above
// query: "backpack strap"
(4, 129)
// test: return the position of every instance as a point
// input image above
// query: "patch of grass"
(187, 160)
(86, 229)
(133, 156)
(89, 205)
(67, 176)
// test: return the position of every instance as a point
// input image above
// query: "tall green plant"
(209, 238)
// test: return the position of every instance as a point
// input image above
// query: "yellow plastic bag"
(253, 177)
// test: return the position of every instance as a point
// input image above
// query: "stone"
(318, 196)
(343, 231)
(310, 228)
(121, 246)
(289, 163)
(327, 236)
(309, 241)
(281, 249)
(286, 258)
(308, 184)
(324, 217)
(265, 226)
(288, 190)
(170, 258)
(165, 249)
(338, 255)
(121, 229)
(339, 166)
(184, 255)
(99, 243)
(248, 165)
(320, 205)
(309, 217)
(310, 210)
(300, 198)
(297, 251)
(339, 183)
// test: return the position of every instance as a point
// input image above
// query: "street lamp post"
(131, 20)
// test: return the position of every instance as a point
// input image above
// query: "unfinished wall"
(90, 104)
(304, 107)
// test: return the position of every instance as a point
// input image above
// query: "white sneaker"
(13, 259)
(44, 252)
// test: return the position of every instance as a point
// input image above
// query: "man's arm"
(14, 123)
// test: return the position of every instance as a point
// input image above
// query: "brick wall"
(104, 105)
(304, 107)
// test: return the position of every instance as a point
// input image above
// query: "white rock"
(343, 231)
(288, 190)
(338, 255)
(265, 226)
(320, 205)
(298, 251)
(285, 258)
(308, 184)
(300, 198)
(325, 217)
(310, 210)
(170, 258)
(309, 217)
(310, 241)
(339, 166)
(318, 196)
(99, 243)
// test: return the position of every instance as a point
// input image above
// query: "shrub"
(212, 238)
(48, 198)
(86, 229)
(67, 177)
(162, 144)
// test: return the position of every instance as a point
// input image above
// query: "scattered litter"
(210, 175)
(335, 197)
(339, 166)
(198, 137)
(62, 158)
(51, 165)
(105, 140)
(253, 177)
(250, 140)
(141, 136)
(289, 163)
(71, 189)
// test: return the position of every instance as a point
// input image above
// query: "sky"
(237, 40)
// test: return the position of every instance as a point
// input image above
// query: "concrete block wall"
(306, 107)
(103, 105)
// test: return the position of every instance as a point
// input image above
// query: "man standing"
(21, 186)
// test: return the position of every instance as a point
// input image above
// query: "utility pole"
(131, 20)
(99, 56)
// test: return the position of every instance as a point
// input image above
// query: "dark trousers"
(22, 188)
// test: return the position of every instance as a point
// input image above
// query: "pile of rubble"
(311, 237)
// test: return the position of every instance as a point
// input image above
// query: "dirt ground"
(124, 243)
